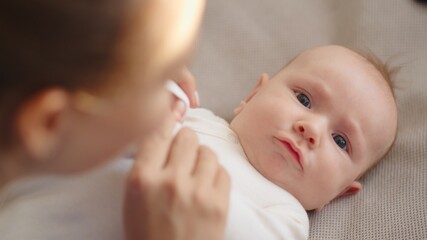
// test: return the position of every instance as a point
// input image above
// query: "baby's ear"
(262, 79)
(353, 188)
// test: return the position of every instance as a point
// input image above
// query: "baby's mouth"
(294, 151)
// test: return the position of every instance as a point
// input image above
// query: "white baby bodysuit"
(259, 209)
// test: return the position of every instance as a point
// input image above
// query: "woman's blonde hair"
(72, 44)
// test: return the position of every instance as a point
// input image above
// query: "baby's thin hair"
(388, 72)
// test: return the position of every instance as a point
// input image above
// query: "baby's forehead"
(333, 53)
(340, 63)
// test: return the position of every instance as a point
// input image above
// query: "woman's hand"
(176, 189)
(185, 79)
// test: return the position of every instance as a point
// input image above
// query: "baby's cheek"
(341, 175)
(279, 112)
(273, 109)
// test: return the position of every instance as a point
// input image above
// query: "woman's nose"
(309, 131)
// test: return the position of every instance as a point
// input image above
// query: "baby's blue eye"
(340, 141)
(303, 99)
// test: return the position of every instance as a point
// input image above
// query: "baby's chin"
(314, 207)
(309, 201)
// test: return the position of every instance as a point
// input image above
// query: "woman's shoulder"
(88, 204)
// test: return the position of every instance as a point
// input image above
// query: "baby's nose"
(309, 132)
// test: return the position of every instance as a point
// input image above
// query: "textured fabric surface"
(241, 39)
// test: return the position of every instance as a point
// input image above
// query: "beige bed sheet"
(243, 38)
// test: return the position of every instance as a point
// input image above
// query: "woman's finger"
(187, 82)
(206, 167)
(178, 108)
(154, 147)
(183, 152)
(222, 184)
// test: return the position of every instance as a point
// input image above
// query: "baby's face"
(318, 124)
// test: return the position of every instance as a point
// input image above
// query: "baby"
(301, 139)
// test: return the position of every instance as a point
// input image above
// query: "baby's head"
(319, 124)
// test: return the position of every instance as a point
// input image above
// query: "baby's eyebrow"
(319, 90)
(354, 131)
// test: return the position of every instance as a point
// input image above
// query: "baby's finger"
(183, 153)
(154, 147)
